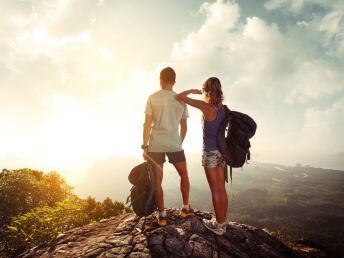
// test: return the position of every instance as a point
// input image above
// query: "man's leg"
(157, 160)
(179, 162)
(184, 180)
(159, 194)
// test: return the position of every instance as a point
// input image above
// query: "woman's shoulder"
(211, 107)
(210, 112)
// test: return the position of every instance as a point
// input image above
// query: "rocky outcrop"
(130, 236)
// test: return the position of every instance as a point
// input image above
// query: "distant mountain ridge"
(109, 177)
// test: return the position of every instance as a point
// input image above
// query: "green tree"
(109, 208)
(112, 208)
(24, 189)
(35, 207)
(55, 188)
(90, 204)
(42, 224)
(119, 207)
(93, 209)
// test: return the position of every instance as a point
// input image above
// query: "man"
(164, 114)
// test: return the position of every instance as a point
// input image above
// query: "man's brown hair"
(168, 75)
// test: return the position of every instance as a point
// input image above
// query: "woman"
(212, 160)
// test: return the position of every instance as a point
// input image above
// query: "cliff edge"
(129, 236)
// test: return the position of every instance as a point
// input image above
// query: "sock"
(186, 206)
(222, 225)
(162, 214)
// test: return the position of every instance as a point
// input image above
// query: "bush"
(35, 207)
(24, 189)
(43, 224)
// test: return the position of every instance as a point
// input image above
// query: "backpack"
(233, 138)
(142, 194)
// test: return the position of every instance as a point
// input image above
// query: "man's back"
(164, 114)
(167, 112)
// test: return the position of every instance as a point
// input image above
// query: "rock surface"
(131, 236)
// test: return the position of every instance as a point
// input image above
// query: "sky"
(75, 76)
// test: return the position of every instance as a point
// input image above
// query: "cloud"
(259, 55)
(276, 77)
(313, 80)
(326, 126)
(220, 17)
(70, 76)
(296, 6)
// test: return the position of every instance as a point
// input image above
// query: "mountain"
(108, 177)
(131, 236)
(295, 202)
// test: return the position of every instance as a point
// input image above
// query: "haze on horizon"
(75, 76)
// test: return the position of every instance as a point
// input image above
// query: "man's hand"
(145, 154)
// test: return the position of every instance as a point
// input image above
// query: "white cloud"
(333, 26)
(296, 6)
(220, 18)
(61, 97)
(258, 56)
(313, 80)
(323, 128)
(265, 72)
(62, 68)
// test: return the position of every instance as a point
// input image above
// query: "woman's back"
(210, 129)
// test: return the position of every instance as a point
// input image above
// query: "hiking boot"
(184, 212)
(214, 227)
(162, 220)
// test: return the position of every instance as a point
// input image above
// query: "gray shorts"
(159, 157)
(211, 159)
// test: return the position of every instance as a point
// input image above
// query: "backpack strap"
(129, 198)
(226, 178)
(226, 109)
(152, 187)
(230, 173)
(226, 172)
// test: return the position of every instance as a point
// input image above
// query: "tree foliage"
(35, 207)
(108, 208)
(24, 189)
(42, 224)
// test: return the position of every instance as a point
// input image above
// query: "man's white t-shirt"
(167, 112)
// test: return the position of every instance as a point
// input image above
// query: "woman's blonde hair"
(212, 91)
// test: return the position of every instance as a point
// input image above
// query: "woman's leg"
(216, 181)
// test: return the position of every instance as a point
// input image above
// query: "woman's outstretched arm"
(183, 96)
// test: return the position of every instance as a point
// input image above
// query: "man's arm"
(183, 129)
(146, 131)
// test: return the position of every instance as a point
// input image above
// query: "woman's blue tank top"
(210, 129)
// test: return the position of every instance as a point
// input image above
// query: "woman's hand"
(183, 96)
(194, 91)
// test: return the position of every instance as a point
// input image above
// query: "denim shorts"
(211, 159)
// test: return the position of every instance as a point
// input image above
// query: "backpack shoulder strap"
(227, 110)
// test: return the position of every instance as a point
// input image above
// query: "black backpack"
(142, 194)
(233, 138)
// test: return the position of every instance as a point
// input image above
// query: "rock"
(308, 248)
(131, 236)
